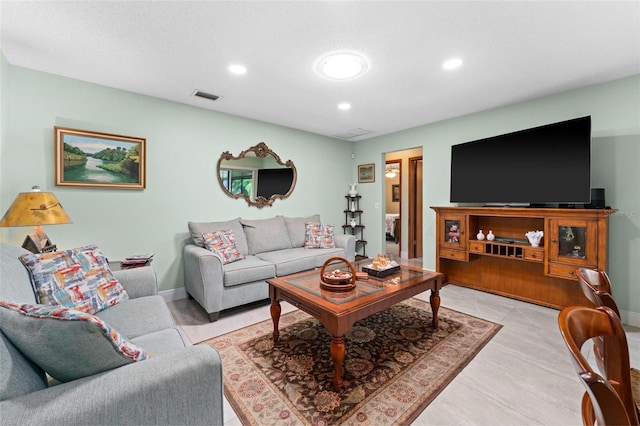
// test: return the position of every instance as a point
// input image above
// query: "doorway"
(393, 207)
(409, 209)
(415, 208)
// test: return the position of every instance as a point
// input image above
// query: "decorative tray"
(379, 273)
(338, 280)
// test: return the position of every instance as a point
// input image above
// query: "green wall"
(615, 111)
(184, 143)
(183, 147)
(4, 113)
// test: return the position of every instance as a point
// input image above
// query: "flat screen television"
(542, 165)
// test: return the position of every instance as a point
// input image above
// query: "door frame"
(415, 215)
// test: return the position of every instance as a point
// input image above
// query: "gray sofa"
(179, 384)
(272, 247)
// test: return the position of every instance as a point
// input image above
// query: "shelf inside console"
(510, 250)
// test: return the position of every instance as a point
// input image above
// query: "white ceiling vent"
(205, 95)
(353, 133)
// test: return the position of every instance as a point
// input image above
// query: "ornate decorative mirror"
(257, 175)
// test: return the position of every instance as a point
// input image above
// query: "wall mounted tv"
(542, 165)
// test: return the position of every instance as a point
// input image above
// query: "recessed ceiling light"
(342, 65)
(344, 106)
(238, 69)
(452, 64)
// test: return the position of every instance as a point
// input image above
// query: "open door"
(414, 246)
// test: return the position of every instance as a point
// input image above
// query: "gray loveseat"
(272, 247)
(179, 384)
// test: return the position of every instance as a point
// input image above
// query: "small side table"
(117, 265)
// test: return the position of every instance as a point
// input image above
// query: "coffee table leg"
(275, 316)
(337, 355)
(435, 306)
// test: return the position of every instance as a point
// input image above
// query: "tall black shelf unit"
(353, 213)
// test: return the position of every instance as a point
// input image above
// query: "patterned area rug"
(395, 365)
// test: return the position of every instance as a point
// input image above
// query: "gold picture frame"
(366, 173)
(85, 158)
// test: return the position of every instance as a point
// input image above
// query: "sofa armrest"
(348, 243)
(203, 277)
(138, 282)
(182, 387)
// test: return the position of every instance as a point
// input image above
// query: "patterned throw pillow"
(223, 244)
(66, 343)
(318, 236)
(78, 278)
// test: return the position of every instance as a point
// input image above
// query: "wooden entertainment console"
(509, 265)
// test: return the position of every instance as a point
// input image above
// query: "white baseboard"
(630, 318)
(173, 294)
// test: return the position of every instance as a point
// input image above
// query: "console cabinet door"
(452, 232)
(573, 243)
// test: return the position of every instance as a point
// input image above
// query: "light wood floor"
(523, 376)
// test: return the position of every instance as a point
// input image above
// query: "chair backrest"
(610, 395)
(597, 278)
(596, 287)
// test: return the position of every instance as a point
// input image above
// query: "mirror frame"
(261, 151)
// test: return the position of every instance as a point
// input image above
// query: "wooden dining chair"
(609, 397)
(596, 286)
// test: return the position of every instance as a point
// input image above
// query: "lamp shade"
(35, 209)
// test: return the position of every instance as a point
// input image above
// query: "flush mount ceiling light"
(344, 106)
(342, 65)
(452, 64)
(238, 69)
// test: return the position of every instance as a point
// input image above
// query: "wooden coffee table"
(338, 311)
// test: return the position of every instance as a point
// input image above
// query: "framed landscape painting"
(366, 173)
(99, 160)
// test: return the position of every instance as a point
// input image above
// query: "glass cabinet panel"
(452, 231)
(571, 242)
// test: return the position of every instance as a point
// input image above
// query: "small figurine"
(454, 234)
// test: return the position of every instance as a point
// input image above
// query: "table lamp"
(35, 209)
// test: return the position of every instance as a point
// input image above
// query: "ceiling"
(511, 51)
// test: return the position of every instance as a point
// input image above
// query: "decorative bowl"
(337, 280)
(337, 276)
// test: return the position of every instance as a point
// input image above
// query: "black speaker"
(597, 199)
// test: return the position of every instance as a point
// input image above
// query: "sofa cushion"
(290, 261)
(248, 270)
(266, 234)
(18, 375)
(161, 342)
(223, 244)
(296, 228)
(318, 236)
(77, 278)
(196, 229)
(137, 317)
(322, 255)
(66, 343)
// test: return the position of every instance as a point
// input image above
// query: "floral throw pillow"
(318, 236)
(66, 343)
(78, 278)
(223, 244)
